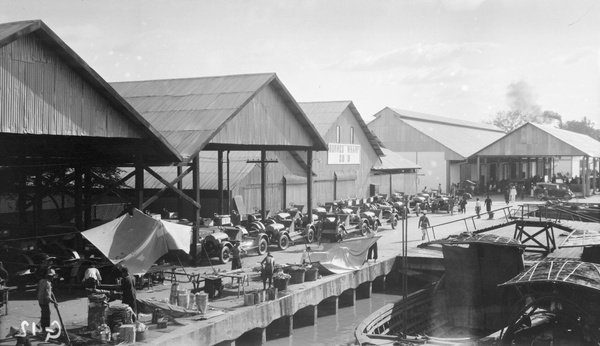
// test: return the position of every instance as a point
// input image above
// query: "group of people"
(92, 278)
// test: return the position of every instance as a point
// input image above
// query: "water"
(337, 329)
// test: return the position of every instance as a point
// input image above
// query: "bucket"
(174, 294)
(281, 284)
(248, 299)
(272, 293)
(311, 274)
(259, 296)
(202, 302)
(139, 336)
(127, 333)
(183, 300)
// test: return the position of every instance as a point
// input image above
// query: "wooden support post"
(139, 179)
(364, 290)
(328, 306)
(263, 184)
(180, 188)
(347, 298)
(309, 184)
(306, 316)
(220, 181)
(196, 188)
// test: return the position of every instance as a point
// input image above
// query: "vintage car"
(220, 242)
(287, 227)
(552, 190)
(440, 203)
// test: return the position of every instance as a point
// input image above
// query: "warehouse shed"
(224, 114)
(57, 113)
(542, 151)
(439, 145)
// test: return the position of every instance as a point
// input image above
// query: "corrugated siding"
(42, 95)
(265, 120)
(538, 140)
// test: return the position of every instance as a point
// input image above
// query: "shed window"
(337, 134)
(352, 135)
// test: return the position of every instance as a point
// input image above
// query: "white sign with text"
(343, 154)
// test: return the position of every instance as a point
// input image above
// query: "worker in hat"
(424, 224)
(45, 297)
(236, 253)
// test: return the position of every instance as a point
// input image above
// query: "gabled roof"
(542, 140)
(190, 112)
(393, 162)
(324, 114)
(10, 32)
(462, 137)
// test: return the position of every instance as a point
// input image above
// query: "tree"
(523, 109)
(584, 126)
(510, 120)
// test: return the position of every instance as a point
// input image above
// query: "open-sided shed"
(56, 112)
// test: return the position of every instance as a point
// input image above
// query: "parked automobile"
(219, 243)
(440, 203)
(286, 227)
(552, 190)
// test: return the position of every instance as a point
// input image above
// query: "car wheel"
(539, 195)
(310, 235)
(262, 246)
(364, 229)
(375, 226)
(225, 255)
(394, 221)
(283, 242)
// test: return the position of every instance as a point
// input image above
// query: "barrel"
(297, 275)
(174, 293)
(127, 333)
(96, 316)
(202, 302)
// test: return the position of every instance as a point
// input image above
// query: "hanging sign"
(343, 154)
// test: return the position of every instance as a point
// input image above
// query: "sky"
(462, 59)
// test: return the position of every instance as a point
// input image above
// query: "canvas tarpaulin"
(342, 257)
(137, 241)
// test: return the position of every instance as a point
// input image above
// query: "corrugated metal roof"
(464, 141)
(404, 114)
(239, 168)
(190, 112)
(583, 274)
(157, 146)
(393, 161)
(586, 144)
(324, 114)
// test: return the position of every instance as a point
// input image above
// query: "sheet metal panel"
(42, 95)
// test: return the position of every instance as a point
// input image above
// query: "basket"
(139, 336)
(297, 275)
(281, 284)
(311, 274)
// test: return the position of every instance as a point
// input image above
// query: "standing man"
(488, 206)
(267, 264)
(236, 261)
(478, 208)
(45, 297)
(451, 201)
(128, 291)
(423, 224)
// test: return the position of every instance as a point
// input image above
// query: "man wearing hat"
(236, 252)
(424, 224)
(45, 297)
